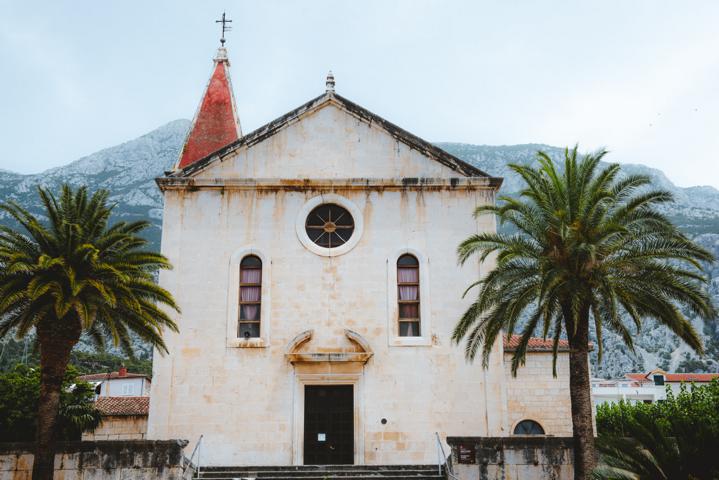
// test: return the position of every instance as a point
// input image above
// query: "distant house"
(647, 387)
(660, 378)
(628, 390)
(123, 399)
(123, 418)
(119, 384)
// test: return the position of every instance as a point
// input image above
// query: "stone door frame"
(298, 410)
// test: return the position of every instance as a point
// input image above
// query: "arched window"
(250, 297)
(408, 296)
(528, 427)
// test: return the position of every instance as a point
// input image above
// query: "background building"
(647, 387)
(123, 399)
(123, 418)
(119, 384)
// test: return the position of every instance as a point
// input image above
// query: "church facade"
(315, 266)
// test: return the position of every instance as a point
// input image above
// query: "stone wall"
(134, 459)
(513, 458)
(535, 394)
(246, 396)
(119, 427)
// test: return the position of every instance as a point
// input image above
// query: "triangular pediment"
(329, 137)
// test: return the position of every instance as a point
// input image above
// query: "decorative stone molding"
(298, 341)
(294, 355)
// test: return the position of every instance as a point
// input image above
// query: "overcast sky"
(640, 78)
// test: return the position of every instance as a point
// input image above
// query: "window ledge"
(250, 343)
(410, 342)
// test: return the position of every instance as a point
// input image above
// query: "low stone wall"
(100, 460)
(512, 458)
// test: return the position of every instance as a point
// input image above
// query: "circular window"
(329, 225)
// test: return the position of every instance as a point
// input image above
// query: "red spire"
(215, 124)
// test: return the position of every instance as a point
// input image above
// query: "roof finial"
(330, 82)
(225, 27)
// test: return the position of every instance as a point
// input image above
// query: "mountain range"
(128, 171)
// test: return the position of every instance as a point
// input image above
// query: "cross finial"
(330, 82)
(225, 28)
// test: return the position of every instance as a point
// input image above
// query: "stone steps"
(323, 472)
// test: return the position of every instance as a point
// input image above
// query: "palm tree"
(71, 275)
(588, 245)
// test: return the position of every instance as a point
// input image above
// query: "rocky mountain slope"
(128, 171)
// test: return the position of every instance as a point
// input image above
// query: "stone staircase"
(324, 472)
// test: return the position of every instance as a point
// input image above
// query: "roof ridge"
(274, 126)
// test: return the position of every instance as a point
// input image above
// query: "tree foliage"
(98, 362)
(13, 352)
(677, 439)
(19, 394)
(73, 273)
(588, 248)
(589, 245)
(78, 268)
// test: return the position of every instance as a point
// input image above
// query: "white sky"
(638, 77)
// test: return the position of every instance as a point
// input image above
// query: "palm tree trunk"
(56, 341)
(580, 394)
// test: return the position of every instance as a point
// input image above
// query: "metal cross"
(225, 27)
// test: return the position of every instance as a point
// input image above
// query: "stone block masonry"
(131, 459)
(512, 458)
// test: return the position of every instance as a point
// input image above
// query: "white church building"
(316, 270)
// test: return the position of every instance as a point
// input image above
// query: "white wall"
(124, 387)
(244, 400)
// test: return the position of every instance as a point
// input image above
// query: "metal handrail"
(197, 450)
(442, 459)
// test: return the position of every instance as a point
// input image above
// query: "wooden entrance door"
(329, 425)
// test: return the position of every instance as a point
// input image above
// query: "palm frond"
(590, 245)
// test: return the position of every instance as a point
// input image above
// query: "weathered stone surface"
(514, 458)
(246, 396)
(535, 394)
(104, 460)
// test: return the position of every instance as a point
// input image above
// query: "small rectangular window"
(658, 379)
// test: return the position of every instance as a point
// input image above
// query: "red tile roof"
(94, 377)
(536, 344)
(123, 405)
(673, 377)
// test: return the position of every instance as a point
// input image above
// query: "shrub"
(19, 393)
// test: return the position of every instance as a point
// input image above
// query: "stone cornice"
(274, 184)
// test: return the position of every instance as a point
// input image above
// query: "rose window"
(329, 225)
